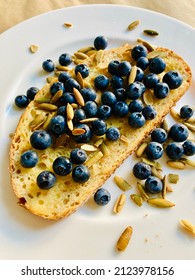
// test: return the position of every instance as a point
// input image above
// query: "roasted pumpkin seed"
(188, 225)
(160, 202)
(150, 32)
(137, 199)
(124, 239)
(133, 25)
(142, 192)
(173, 178)
(120, 202)
(94, 159)
(176, 164)
(141, 149)
(122, 183)
(78, 96)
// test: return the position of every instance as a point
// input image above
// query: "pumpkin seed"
(34, 48)
(149, 161)
(165, 125)
(175, 115)
(98, 142)
(80, 55)
(148, 97)
(78, 96)
(132, 74)
(188, 225)
(69, 112)
(62, 68)
(88, 148)
(70, 124)
(190, 162)
(142, 192)
(120, 202)
(133, 25)
(47, 106)
(137, 199)
(38, 121)
(104, 148)
(122, 183)
(86, 49)
(80, 80)
(156, 173)
(68, 24)
(51, 79)
(148, 46)
(124, 239)
(160, 202)
(124, 139)
(141, 149)
(88, 120)
(156, 53)
(176, 164)
(190, 126)
(191, 120)
(94, 159)
(42, 100)
(173, 178)
(56, 96)
(48, 119)
(151, 32)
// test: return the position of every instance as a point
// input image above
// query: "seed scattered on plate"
(133, 25)
(68, 24)
(33, 48)
(124, 239)
(151, 32)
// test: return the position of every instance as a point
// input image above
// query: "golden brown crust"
(67, 196)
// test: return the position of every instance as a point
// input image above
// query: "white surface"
(92, 232)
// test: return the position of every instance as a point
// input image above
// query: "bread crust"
(67, 196)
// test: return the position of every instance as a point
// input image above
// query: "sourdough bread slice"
(67, 196)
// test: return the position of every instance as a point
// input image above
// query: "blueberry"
(102, 197)
(189, 148)
(99, 127)
(139, 75)
(186, 112)
(21, 101)
(179, 132)
(157, 65)
(48, 65)
(67, 97)
(108, 98)
(124, 68)
(79, 114)
(135, 90)
(120, 94)
(101, 82)
(55, 87)
(72, 83)
(57, 125)
(174, 150)
(153, 185)
(83, 69)
(151, 80)
(62, 166)
(61, 111)
(63, 77)
(138, 51)
(159, 135)
(154, 150)
(90, 109)
(78, 156)
(40, 139)
(143, 63)
(29, 159)
(141, 170)
(80, 173)
(161, 90)
(65, 59)
(88, 94)
(112, 67)
(116, 82)
(120, 109)
(173, 79)
(31, 92)
(85, 137)
(149, 112)
(136, 119)
(112, 134)
(100, 42)
(46, 180)
(104, 112)
(136, 106)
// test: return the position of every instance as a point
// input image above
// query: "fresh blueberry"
(104, 112)
(157, 65)
(101, 82)
(29, 159)
(120, 108)
(135, 90)
(173, 79)
(161, 90)
(67, 97)
(112, 134)
(136, 106)
(143, 63)
(72, 83)
(120, 94)
(88, 94)
(138, 51)
(99, 127)
(63, 77)
(112, 67)
(21, 101)
(136, 119)
(116, 82)
(186, 112)
(61, 111)
(179, 132)
(78, 156)
(80, 173)
(149, 112)
(62, 166)
(31, 92)
(57, 125)
(100, 42)
(151, 80)
(46, 180)
(108, 98)
(174, 150)
(159, 135)
(153, 185)
(139, 75)
(65, 59)
(55, 87)
(40, 139)
(102, 197)
(85, 137)
(79, 114)
(124, 68)
(154, 150)
(83, 69)
(141, 170)
(48, 65)
(90, 109)
(189, 148)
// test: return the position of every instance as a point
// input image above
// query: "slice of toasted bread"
(67, 196)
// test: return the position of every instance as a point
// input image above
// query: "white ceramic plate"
(92, 232)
